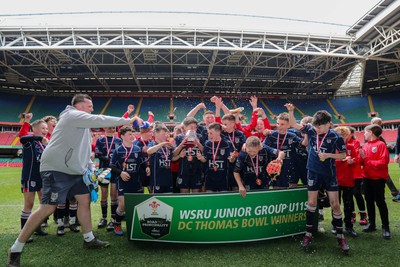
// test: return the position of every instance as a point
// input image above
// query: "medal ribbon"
(320, 144)
(109, 148)
(232, 139)
(127, 154)
(41, 146)
(165, 153)
(214, 154)
(255, 167)
(278, 144)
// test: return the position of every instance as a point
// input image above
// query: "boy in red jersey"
(375, 161)
(257, 126)
(345, 176)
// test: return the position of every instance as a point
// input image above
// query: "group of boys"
(218, 155)
(211, 156)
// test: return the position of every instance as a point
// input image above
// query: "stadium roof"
(42, 58)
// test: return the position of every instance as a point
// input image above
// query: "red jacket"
(375, 164)
(344, 170)
(25, 130)
(248, 130)
(354, 144)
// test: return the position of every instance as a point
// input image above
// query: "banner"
(216, 217)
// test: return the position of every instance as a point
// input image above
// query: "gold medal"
(215, 168)
(190, 158)
(235, 154)
(258, 182)
(124, 165)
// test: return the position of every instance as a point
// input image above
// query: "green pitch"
(366, 250)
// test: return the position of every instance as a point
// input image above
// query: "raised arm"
(292, 120)
(196, 109)
(26, 125)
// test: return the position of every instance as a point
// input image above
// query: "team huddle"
(217, 154)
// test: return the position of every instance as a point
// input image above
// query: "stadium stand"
(184, 105)
(12, 105)
(355, 109)
(117, 106)
(43, 106)
(310, 106)
(387, 105)
(6, 138)
(159, 106)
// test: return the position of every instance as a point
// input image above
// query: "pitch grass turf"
(366, 250)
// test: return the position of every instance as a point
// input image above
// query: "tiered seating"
(44, 106)
(6, 138)
(12, 105)
(355, 109)
(184, 105)
(117, 106)
(390, 135)
(9, 162)
(387, 105)
(310, 106)
(159, 106)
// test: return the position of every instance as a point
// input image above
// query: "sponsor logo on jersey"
(374, 149)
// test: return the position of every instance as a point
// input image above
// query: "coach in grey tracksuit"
(63, 163)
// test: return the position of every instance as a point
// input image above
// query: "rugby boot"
(386, 232)
(351, 232)
(110, 226)
(45, 223)
(305, 243)
(353, 217)
(118, 230)
(39, 231)
(60, 230)
(363, 218)
(102, 223)
(95, 244)
(396, 198)
(321, 228)
(13, 259)
(74, 228)
(343, 245)
(30, 239)
(333, 231)
(369, 228)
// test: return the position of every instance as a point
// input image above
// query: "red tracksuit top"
(344, 170)
(355, 144)
(375, 165)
